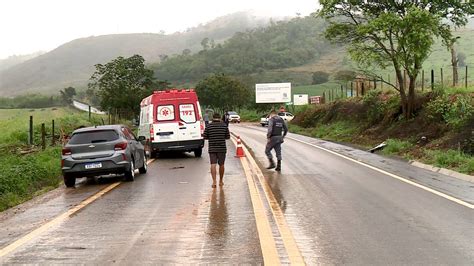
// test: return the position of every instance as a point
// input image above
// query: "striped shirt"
(216, 133)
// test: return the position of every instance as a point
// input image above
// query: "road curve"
(344, 213)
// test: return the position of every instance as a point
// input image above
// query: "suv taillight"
(121, 146)
(66, 151)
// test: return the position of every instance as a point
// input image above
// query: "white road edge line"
(451, 198)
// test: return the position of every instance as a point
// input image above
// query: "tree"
(122, 83)
(222, 92)
(67, 94)
(345, 75)
(320, 77)
(396, 33)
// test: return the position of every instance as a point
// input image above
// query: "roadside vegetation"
(27, 170)
(440, 133)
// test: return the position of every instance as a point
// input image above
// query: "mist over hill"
(17, 59)
(72, 64)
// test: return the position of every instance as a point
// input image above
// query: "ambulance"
(171, 120)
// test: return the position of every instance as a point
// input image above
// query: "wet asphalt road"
(344, 213)
(339, 212)
(170, 215)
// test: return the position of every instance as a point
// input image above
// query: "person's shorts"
(217, 157)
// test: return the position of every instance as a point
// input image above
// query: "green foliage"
(320, 77)
(222, 92)
(247, 115)
(451, 159)
(29, 101)
(282, 44)
(337, 131)
(455, 110)
(397, 147)
(67, 94)
(345, 75)
(122, 83)
(382, 34)
(22, 176)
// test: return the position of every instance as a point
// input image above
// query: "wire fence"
(427, 80)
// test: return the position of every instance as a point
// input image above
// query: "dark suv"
(102, 150)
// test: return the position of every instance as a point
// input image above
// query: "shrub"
(454, 110)
(320, 77)
(395, 146)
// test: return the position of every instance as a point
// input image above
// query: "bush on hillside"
(454, 110)
(320, 77)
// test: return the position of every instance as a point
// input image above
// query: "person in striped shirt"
(216, 134)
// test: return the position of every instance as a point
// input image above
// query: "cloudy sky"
(28, 26)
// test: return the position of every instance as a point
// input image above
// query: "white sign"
(273, 93)
(300, 99)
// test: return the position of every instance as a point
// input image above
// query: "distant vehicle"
(287, 116)
(264, 120)
(171, 120)
(234, 117)
(101, 150)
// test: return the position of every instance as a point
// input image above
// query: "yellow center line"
(57, 220)
(267, 242)
(289, 241)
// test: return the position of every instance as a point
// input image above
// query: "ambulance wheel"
(198, 152)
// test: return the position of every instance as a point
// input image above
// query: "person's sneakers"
(278, 168)
(272, 164)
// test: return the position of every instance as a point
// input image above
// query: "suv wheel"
(69, 181)
(198, 152)
(144, 168)
(130, 174)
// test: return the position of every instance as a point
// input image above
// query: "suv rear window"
(95, 136)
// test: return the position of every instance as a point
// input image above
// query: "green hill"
(72, 64)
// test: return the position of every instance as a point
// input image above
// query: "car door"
(131, 144)
(189, 125)
(139, 148)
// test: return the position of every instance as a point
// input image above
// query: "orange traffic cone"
(240, 150)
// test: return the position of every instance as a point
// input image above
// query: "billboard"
(315, 99)
(300, 99)
(273, 93)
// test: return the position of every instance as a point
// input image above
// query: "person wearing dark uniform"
(277, 131)
(216, 133)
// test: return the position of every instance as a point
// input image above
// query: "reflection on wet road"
(343, 213)
(322, 208)
(170, 215)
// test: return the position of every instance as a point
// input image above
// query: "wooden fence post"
(422, 80)
(432, 79)
(466, 77)
(442, 80)
(30, 131)
(52, 134)
(43, 137)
